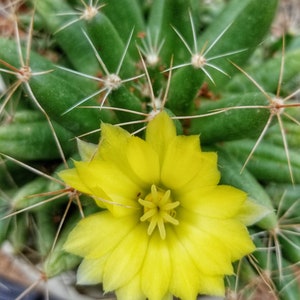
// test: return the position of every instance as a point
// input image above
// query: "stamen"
(147, 204)
(161, 228)
(158, 210)
(149, 214)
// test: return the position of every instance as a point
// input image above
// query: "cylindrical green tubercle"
(269, 162)
(231, 118)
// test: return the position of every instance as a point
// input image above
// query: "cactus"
(218, 72)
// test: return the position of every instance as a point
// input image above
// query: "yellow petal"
(126, 260)
(207, 251)
(106, 180)
(185, 278)
(234, 236)
(222, 201)
(183, 160)
(90, 271)
(231, 233)
(251, 212)
(132, 290)
(212, 285)
(113, 148)
(143, 161)
(82, 239)
(160, 132)
(86, 150)
(97, 234)
(72, 179)
(113, 142)
(156, 270)
(208, 174)
(119, 206)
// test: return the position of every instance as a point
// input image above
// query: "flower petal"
(143, 161)
(157, 261)
(113, 139)
(132, 290)
(231, 233)
(185, 278)
(251, 212)
(160, 132)
(222, 201)
(212, 285)
(90, 271)
(208, 174)
(113, 148)
(126, 259)
(108, 183)
(72, 179)
(234, 236)
(97, 234)
(182, 161)
(86, 150)
(208, 252)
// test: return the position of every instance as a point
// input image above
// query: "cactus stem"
(61, 193)
(31, 169)
(157, 104)
(276, 107)
(88, 12)
(111, 81)
(23, 76)
(72, 195)
(198, 58)
(151, 49)
(117, 109)
(54, 195)
(287, 225)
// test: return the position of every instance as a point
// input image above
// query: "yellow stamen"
(158, 210)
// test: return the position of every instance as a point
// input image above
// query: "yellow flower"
(167, 227)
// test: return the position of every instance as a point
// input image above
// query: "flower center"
(158, 210)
